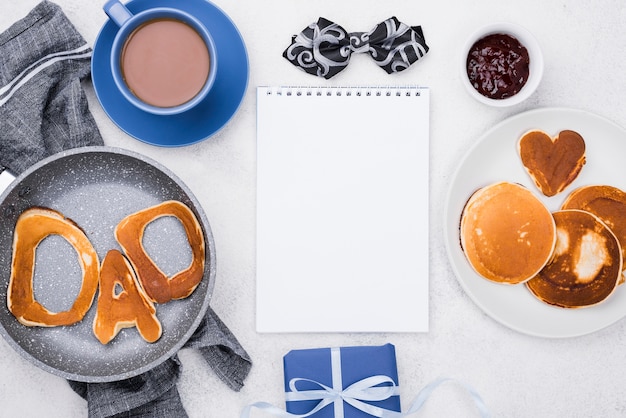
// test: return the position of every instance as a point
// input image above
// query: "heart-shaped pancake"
(552, 163)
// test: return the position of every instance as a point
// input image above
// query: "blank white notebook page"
(342, 209)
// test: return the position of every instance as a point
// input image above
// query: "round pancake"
(507, 233)
(586, 265)
(607, 203)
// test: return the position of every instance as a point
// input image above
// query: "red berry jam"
(498, 66)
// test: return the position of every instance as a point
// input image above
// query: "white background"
(584, 45)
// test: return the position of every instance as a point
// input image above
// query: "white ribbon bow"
(355, 394)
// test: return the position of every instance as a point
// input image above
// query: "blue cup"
(128, 23)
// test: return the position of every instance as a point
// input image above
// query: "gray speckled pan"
(97, 187)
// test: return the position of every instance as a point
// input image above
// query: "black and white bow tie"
(324, 48)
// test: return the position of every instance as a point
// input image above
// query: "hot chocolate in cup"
(163, 60)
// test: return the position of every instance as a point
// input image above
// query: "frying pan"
(96, 187)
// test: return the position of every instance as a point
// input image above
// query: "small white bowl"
(535, 62)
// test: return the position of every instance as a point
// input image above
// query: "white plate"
(495, 158)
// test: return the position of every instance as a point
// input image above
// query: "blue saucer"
(198, 123)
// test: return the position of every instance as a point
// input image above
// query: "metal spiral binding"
(406, 91)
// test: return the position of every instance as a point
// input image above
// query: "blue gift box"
(346, 382)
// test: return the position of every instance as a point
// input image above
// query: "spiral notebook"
(342, 209)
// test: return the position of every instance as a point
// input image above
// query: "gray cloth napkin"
(44, 110)
(154, 393)
(43, 107)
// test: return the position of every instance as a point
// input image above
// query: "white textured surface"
(518, 376)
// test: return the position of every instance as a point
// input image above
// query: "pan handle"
(6, 178)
